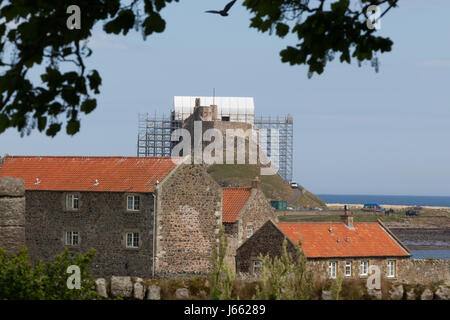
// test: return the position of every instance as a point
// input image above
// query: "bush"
(283, 278)
(21, 280)
(221, 278)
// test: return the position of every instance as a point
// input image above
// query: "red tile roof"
(114, 174)
(234, 200)
(368, 239)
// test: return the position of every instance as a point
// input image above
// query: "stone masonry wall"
(12, 214)
(102, 221)
(189, 214)
(256, 212)
(425, 271)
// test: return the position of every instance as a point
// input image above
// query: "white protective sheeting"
(240, 109)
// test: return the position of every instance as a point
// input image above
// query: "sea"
(438, 201)
(430, 254)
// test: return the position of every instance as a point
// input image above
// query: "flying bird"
(225, 10)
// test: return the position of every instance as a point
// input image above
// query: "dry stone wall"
(12, 214)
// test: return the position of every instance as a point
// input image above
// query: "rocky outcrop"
(154, 293)
(138, 291)
(121, 287)
(427, 294)
(101, 287)
(443, 293)
(326, 295)
(396, 292)
(182, 293)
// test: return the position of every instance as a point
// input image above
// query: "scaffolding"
(284, 149)
(154, 137)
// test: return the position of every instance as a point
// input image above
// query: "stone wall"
(102, 221)
(268, 240)
(256, 212)
(12, 214)
(425, 271)
(189, 214)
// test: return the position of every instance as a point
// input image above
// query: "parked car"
(412, 213)
(294, 185)
(373, 207)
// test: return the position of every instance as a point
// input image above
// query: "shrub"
(285, 278)
(221, 278)
(21, 280)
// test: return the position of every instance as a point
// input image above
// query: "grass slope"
(274, 188)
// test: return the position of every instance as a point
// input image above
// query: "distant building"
(330, 247)
(154, 131)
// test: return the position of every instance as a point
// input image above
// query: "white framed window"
(332, 269)
(132, 239)
(364, 268)
(72, 201)
(133, 203)
(391, 269)
(72, 238)
(249, 231)
(348, 269)
(256, 266)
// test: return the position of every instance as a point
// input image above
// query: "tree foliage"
(34, 38)
(323, 28)
(21, 280)
(35, 41)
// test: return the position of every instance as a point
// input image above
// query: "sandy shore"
(387, 206)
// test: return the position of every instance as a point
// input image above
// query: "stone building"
(330, 247)
(12, 214)
(245, 210)
(111, 203)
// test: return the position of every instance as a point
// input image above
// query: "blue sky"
(355, 131)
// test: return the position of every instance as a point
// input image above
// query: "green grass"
(273, 186)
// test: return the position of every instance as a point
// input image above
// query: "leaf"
(88, 105)
(282, 29)
(122, 23)
(53, 129)
(73, 126)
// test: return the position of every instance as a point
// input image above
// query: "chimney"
(256, 183)
(347, 218)
(197, 102)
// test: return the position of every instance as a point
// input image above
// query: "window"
(72, 202)
(72, 238)
(133, 240)
(364, 269)
(332, 269)
(391, 269)
(133, 203)
(256, 266)
(348, 269)
(249, 231)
